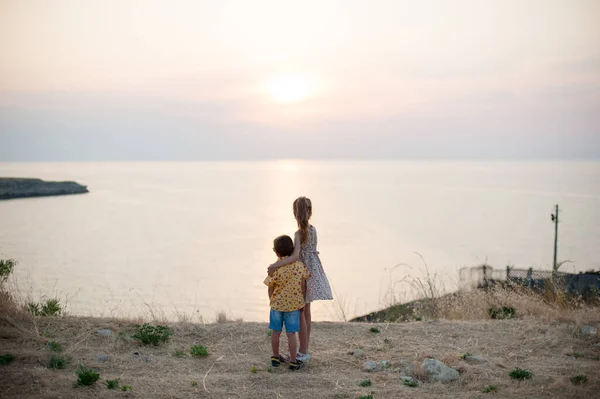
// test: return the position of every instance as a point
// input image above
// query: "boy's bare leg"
(275, 342)
(303, 334)
(293, 346)
(307, 320)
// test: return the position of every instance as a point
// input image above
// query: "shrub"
(58, 362)
(6, 269)
(374, 330)
(579, 379)
(51, 307)
(520, 374)
(112, 384)
(6, 359)
(199, 351)
(490, 388)
(86, 376)
(411, 383)
(33, 308)
(55, 346)
(365, 383)
(505, 312)
(152, 335)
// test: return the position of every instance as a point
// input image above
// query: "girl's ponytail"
(302, 213)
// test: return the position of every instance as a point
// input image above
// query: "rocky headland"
(11, 188)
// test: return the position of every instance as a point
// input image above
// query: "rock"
(105, 332)
(22, 188)
(438, 371)
(102, 357)
(588, 331)
(370, 365)
(474, 359)
(357, 353)
(141, 357)
(384, 364)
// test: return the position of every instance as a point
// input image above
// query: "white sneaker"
(303, 357)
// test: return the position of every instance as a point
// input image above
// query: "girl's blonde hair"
(302, 213)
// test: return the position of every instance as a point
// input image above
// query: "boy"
(287, 292)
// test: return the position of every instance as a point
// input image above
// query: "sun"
(290, 88)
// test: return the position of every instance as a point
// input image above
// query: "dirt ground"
(237, 366)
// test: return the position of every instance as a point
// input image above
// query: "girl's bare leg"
(307, 319)
(303, 334)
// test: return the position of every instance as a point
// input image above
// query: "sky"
(105, 80)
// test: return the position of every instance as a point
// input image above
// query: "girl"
(305, 250)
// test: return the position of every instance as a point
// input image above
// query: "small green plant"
(466, 355)
(369, 396)
(55, 346)
(365, 383)
(270, 369)
(374, 330)
(194, 383)
(579, 379)
(342, 395)
(51, 307)
(112, 384)
(199, 351)
(126, 388)
(577, 355)
(490, 389)
(33, 308)
(418, 318)
(505, 312)
(520, 374)
(269, 333)
(6, 268)
(152, 335)
(180, 354)
(58, 362)
(411, 383)
(254, 369)
(6, 359)
(86, 376)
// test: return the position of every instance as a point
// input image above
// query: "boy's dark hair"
(283, 246)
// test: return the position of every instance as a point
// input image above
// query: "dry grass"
(235, 348)
(542, 339)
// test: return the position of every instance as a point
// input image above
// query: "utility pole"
(554, 217)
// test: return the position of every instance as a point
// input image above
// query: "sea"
(191, 240)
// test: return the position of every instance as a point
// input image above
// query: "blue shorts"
(291, 320)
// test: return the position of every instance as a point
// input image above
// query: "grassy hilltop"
(534, 347)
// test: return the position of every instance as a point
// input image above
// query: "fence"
(485, 276)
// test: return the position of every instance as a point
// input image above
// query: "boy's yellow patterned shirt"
(287, 287)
